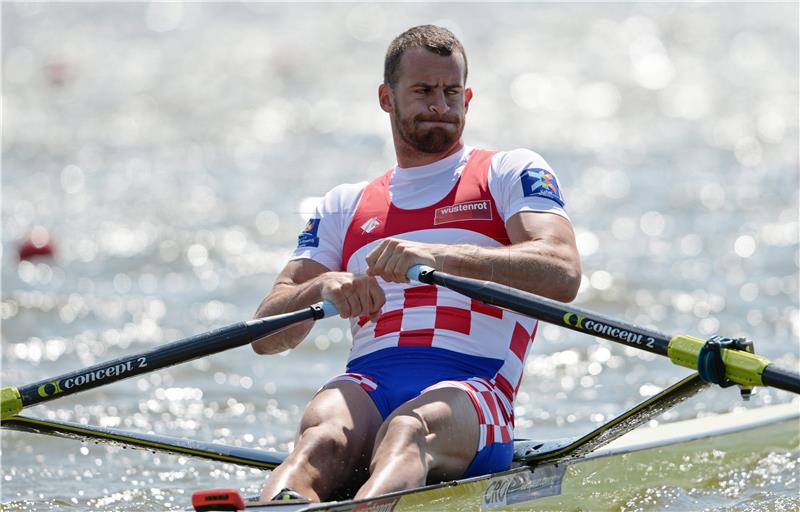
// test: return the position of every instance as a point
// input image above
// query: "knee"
(404, 431)
(322, 442)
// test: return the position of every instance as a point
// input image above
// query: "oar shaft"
(741, 367)
(187, 349)
(191, 447)
(781, 379)
(553, 312)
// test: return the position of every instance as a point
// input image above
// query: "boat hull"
(687, 454)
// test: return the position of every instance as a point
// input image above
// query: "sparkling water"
(171, 152)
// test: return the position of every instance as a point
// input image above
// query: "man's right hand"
(353, 295)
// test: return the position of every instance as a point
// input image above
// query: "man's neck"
(410, 157)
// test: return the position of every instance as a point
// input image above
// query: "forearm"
(550, 269)
(285, 298)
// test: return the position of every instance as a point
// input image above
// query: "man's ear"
(385, 98)
(467, 98)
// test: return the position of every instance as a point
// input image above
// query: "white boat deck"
(700, 428)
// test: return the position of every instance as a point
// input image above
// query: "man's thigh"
(451, 426)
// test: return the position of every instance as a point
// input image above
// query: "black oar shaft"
(740, 367)
(553, 312)
(781, 379)
(186, 349)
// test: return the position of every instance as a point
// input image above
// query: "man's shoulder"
(517, 158)
(345, 194)
(512, 162)
(344, 189)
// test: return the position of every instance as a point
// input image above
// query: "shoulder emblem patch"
(538, 182)
(308, 237)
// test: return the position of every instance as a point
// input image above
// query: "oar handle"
(415, 272)
(328, 309)
(187, 349)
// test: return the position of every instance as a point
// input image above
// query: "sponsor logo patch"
(541, 183)
(371, 224)
(471, 210)
(308, 237)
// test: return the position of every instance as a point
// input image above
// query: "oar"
(234, 335)
(239, 455)
(740, 367)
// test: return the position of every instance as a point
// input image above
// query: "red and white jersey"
(465, 198)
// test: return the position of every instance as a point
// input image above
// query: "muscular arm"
(543, 258)
(304, 282)
(297, 286)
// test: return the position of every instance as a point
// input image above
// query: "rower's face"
(429, 103)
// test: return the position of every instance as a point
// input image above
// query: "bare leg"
(434, 435)
(334, 443)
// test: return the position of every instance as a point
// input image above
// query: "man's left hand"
(392, 258)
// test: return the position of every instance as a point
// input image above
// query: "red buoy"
(37, 244)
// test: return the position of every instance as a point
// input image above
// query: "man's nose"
(439, 104)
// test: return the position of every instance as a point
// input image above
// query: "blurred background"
(159, 160)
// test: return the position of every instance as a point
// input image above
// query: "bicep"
(550, 240)
(530, 226)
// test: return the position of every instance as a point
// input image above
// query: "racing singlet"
(448, 331)
(425, 335)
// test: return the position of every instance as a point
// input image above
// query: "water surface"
(171, 151)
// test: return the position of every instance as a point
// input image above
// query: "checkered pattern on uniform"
(495, 414)
(429, 316)
(439, 311)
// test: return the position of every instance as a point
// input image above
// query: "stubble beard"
(430, 140)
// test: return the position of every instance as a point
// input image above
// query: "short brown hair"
(430, 37)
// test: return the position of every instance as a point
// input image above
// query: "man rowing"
(429, 388)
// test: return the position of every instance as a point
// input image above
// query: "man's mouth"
(437, 119)
(435, 122)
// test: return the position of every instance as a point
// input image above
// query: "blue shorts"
(394, 376)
